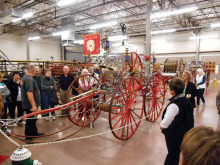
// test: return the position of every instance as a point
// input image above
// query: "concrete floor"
(147, 146)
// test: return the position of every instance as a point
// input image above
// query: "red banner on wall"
(92, 43)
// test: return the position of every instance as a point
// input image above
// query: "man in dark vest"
(177, 119)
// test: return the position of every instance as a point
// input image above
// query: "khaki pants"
(64, 99)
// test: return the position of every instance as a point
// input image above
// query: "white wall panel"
(14, 47)
(45, 49)
(210, 45)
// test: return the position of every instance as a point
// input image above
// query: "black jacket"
(65, 82)
(13, 87)
(191, 89)
(183, 121)
(46, 84)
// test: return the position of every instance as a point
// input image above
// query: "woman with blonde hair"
(201, 146)
(190, 90)
(201, 85)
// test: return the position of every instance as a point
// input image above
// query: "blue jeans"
(47, 103)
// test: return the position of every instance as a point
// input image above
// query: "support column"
(197, 49)
(28, 50)
(61, 50)
(148, 31)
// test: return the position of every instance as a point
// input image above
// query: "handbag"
(54, 100)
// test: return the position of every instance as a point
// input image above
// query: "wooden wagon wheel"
(79, 113)
(126, 108)
(133, 67)
(154, 97)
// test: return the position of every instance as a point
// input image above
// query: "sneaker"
(14, 124)
(7, 131)
(83, 118)
(54, 117)
(47, 118)
(23, 122)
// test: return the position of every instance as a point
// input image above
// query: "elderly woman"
(190, 90)
(200, 146)
(201, 85)
(177, 119)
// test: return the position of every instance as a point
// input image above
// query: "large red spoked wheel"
(79, 113)
(133, 67)
(126, 108)
(154, 97)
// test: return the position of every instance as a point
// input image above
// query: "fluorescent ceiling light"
(78, 42)
(175, 12)
(213, 25)
(117, 38)
(65, 3)
(102, 25)
(61, 33)
(17, 19)
(34, 38)
(27, 15)
(204, 37)
(163, 31)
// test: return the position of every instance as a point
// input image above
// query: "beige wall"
(15, 47)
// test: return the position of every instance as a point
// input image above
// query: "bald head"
(66, 70)
(31, 70)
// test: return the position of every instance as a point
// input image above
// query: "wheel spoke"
(131, 125)
(122, 94)
(121, 102)
(121, 113)
(136, 114)
(74, 88)
(122, 117)
(134, 120)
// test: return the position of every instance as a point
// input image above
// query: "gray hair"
(200, 71)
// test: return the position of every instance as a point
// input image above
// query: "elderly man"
(38, 79)
(65, 81)
(30, 95)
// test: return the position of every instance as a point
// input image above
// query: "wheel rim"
(79, 113)
(133, 67)
(126, 108)
(155, 97)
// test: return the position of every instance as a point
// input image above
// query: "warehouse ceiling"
(48, 17)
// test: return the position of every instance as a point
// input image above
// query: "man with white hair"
(65, 81)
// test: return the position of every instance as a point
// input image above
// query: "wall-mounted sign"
(92, 44)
